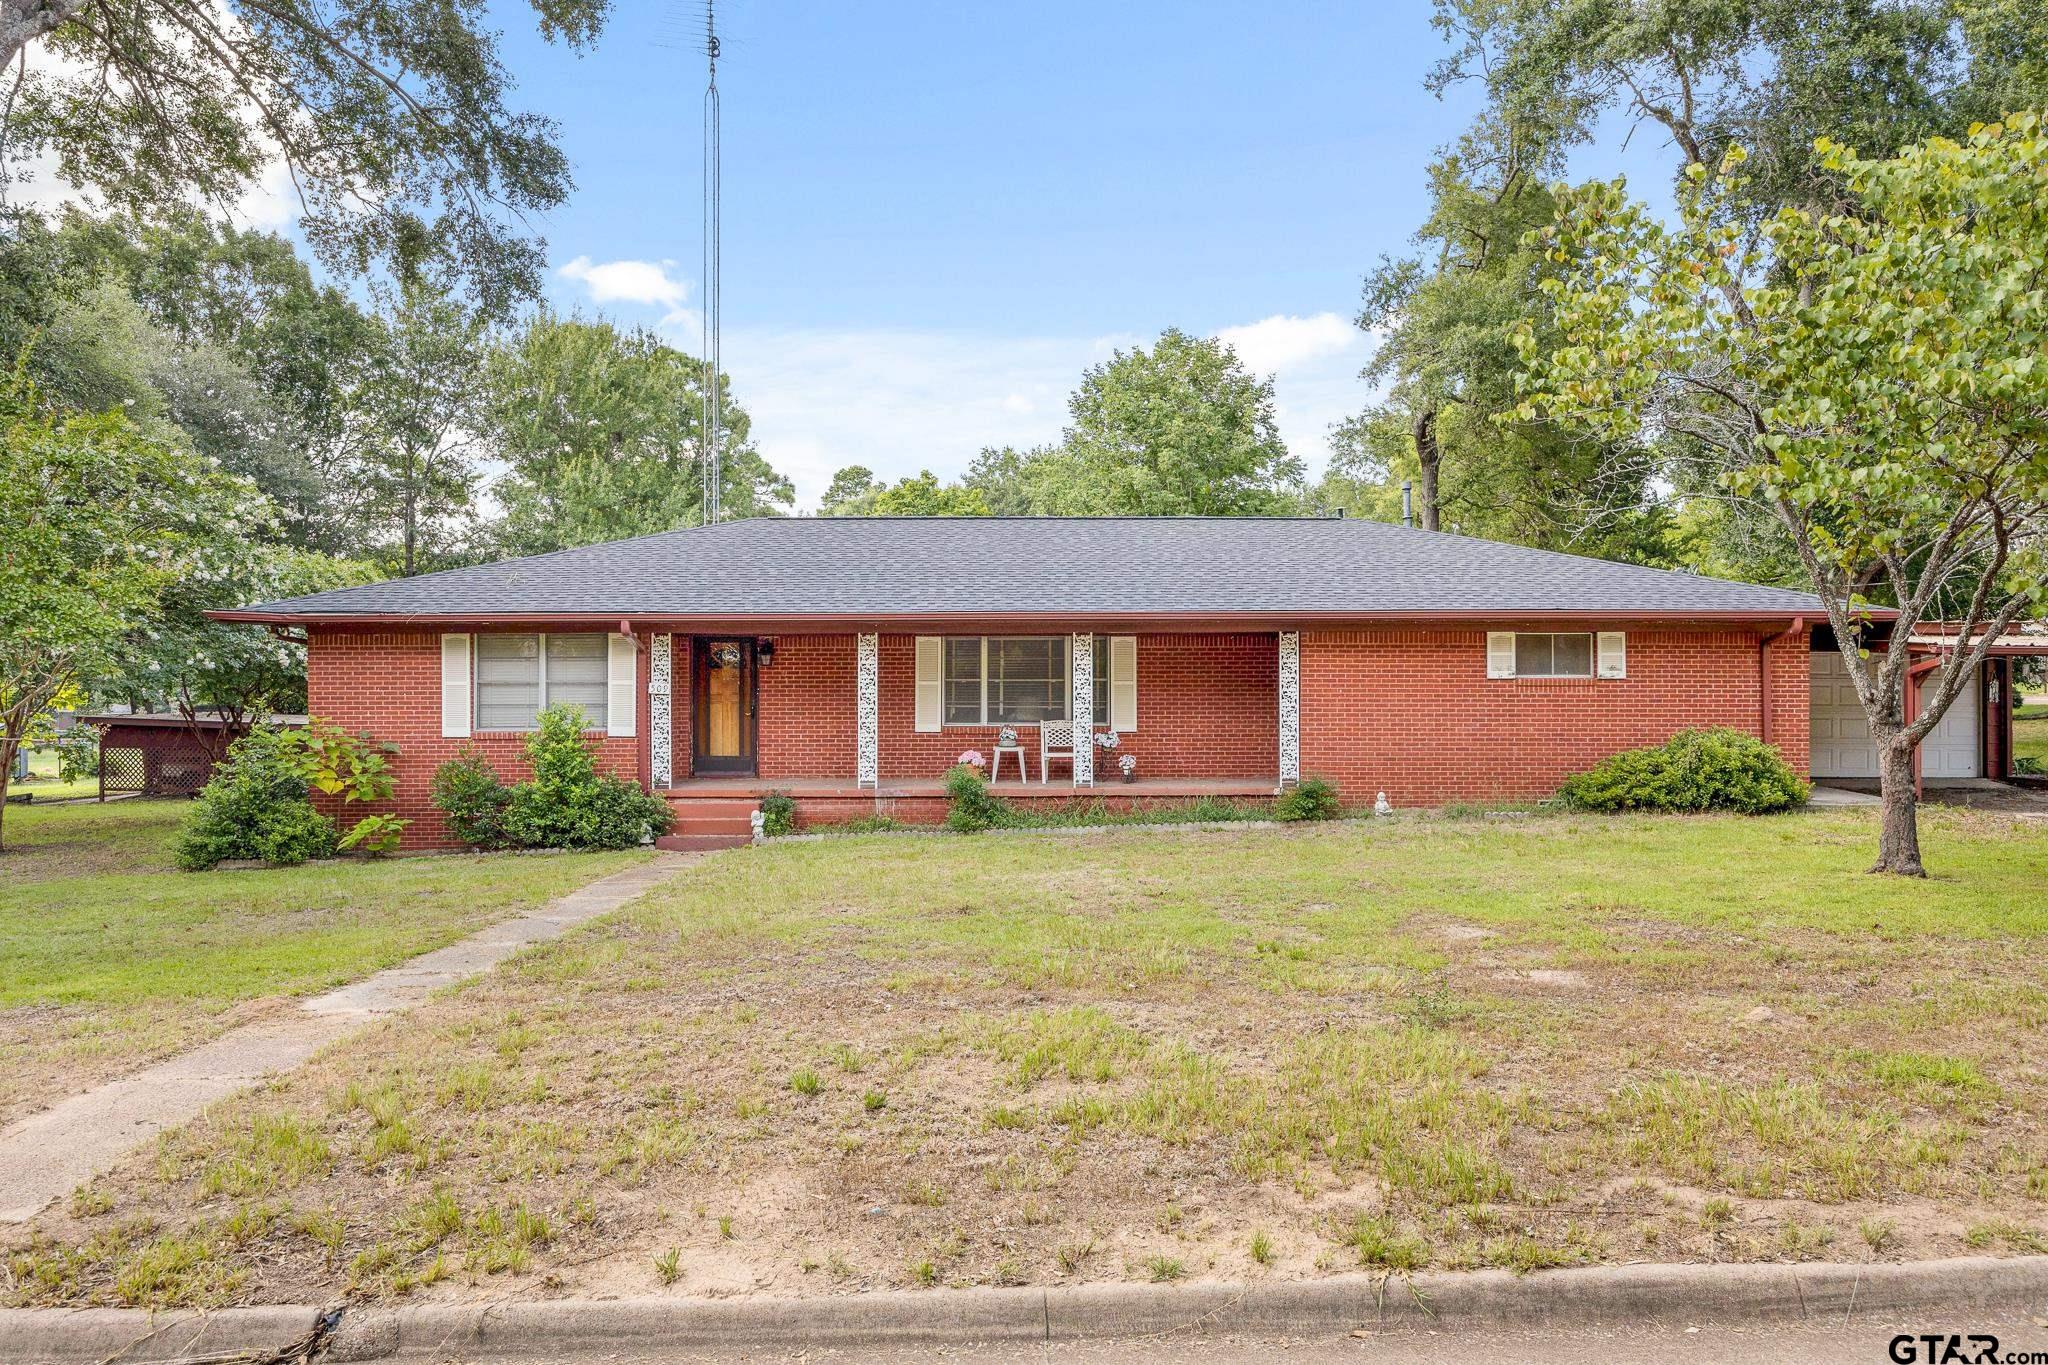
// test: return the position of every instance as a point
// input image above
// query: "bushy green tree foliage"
(1877, 378)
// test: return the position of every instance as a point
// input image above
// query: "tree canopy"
(101, 517)
(392, 120)
(1181, 429)
(600, 428)
(1771, 74)
(1877, 378)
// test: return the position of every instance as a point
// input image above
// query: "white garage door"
(1841, 740)
(1956, 748)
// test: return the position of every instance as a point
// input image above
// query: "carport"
(1974, 738)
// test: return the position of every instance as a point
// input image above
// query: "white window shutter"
(455, 686)
(621, 695)
(1500, 654)
(1123, 683)
(1613, 655)
(931, 686)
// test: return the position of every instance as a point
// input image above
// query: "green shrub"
(1312, 798)
(1695, 770)
(569, 803)
(352, 767)
(778, 814)
(256, 806)
(972, 808)
(468, 791)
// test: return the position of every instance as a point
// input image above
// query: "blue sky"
(938, 214)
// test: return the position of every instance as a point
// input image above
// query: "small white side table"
(995, 767)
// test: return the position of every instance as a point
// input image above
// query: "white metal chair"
(1055, 740)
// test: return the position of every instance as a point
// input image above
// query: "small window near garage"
(1553, 656)
(519, 675)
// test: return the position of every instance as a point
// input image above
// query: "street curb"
(68, 1334)
(1447, 1302)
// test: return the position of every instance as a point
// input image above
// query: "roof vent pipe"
(1407, 503)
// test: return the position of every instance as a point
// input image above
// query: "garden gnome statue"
(760, 826)
(1382, 806)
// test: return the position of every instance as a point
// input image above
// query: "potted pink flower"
(972, 759)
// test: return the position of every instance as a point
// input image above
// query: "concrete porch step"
(688, 822)
(701, 843)
(713, 805)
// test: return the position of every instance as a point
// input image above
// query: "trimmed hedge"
(1695, 770)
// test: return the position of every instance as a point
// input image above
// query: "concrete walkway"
(1824, 797)
(44, 1156)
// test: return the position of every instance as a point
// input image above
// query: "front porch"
(714, 811)
(900, 788)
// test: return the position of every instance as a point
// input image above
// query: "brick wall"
(1411, 711)
(1207, 707)
(388, 682)
(1408, 711)
(807, 708)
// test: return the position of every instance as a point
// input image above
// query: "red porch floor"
(1060, 788)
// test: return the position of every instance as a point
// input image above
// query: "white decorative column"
(1082, 684)
(1290, 707)
(660, 729)
(867, 709)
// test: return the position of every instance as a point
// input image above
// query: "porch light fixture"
(764, 652)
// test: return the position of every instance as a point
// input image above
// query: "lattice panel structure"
(1290, 707)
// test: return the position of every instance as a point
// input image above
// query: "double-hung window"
(518, 676)
(1017, 679)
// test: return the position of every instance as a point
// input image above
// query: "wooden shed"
(165, 753)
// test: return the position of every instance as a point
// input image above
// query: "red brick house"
(850, 661)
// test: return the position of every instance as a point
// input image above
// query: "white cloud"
(1282, 342)
(902, 400)
(647, 282)
(898, 401)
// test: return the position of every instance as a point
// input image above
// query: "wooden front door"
(723, 692)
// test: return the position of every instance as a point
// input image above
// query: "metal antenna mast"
(714, 433)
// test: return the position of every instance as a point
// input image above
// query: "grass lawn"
(109, 957)
(42, 780)
(2030, 733)
(877, 1062)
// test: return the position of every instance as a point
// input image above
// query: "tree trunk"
(1898, 838)
(1430, 457)
(8, 745)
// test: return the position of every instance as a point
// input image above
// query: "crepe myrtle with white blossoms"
(103, 519)
(184, 662)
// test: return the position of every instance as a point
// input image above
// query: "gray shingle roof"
(1175, 566)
